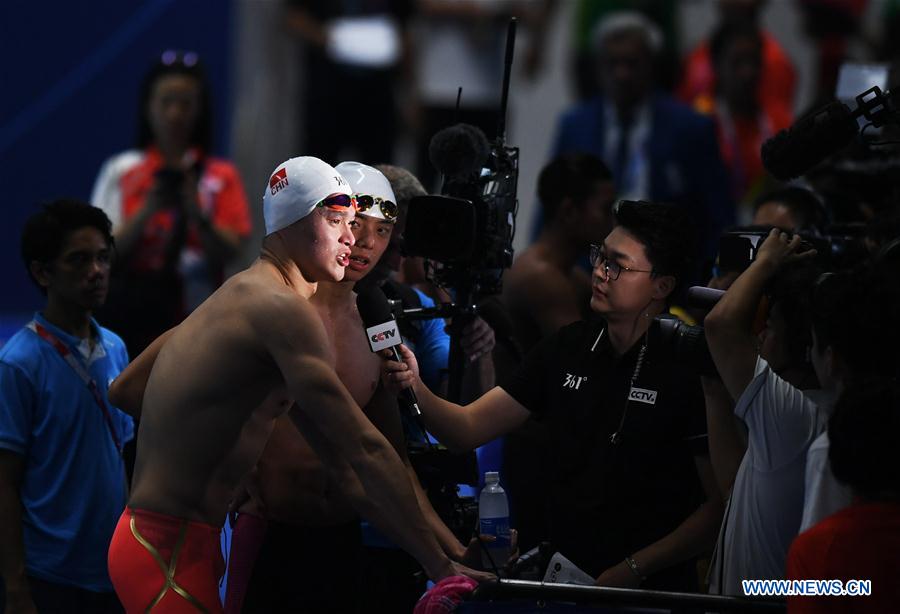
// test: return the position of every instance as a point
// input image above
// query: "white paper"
(563, 571)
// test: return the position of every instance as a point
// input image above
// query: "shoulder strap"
(63, 350)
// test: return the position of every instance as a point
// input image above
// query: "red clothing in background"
(861, 542)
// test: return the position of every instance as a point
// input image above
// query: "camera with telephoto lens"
(681, 342)
(841, 246)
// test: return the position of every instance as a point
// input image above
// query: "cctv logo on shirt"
(573, 382)
(642, 395)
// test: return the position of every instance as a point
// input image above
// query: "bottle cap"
(491, 476)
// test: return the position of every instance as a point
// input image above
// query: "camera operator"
(792, 208)
(631, 497)
(774, 386)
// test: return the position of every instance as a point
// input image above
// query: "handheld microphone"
(382, 331)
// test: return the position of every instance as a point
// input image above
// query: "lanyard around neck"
(82, 373)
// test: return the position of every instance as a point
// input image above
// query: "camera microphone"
(793, 151)
(382, 331)
(459, 151)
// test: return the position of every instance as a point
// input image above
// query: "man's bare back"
(214, 393)
(542, 296)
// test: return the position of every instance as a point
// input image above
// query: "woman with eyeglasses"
(631, 497)
(179, 215)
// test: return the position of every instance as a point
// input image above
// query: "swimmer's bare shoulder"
(285, 323)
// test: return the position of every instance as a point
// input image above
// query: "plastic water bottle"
(493, 516)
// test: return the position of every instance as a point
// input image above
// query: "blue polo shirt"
(432, 349)
(73, 489)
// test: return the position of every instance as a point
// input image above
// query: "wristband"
(634, 568)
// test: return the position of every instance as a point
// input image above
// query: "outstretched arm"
(461, 427)
(337, 429)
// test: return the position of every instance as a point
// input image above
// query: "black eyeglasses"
(364, 202)
(611, 268)
(337, 201)
(185, 58)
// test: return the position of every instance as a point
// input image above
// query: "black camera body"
(467, 232)
(839, 247)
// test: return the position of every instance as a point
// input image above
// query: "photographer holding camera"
(773, 382)
(178, 214)
(631, 497)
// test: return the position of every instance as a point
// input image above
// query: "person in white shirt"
(777, 396)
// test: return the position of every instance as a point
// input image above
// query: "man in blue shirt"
(62, 477)
(656, 147)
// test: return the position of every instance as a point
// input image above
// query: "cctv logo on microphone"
(383, 336)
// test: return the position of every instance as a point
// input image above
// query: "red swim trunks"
(161, 563)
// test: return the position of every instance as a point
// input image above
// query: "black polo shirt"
(606, 501)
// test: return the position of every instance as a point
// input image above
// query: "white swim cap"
(372, 190)
(296, 187)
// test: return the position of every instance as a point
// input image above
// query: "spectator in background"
(588, 13)
(62, 478)
(357, 60)
(743, 123)
(777, 84)
(831, 24)
(656, 147)
(545, 289)
(861, 541)
(178, 214)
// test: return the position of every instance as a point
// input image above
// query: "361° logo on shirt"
(573, 382)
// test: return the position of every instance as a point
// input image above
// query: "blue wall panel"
(69, 78)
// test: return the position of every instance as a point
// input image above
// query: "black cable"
(867, 143)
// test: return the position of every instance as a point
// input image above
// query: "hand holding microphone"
(399, 370)
(384, 338)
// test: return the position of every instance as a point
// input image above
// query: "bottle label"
(497, 527)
